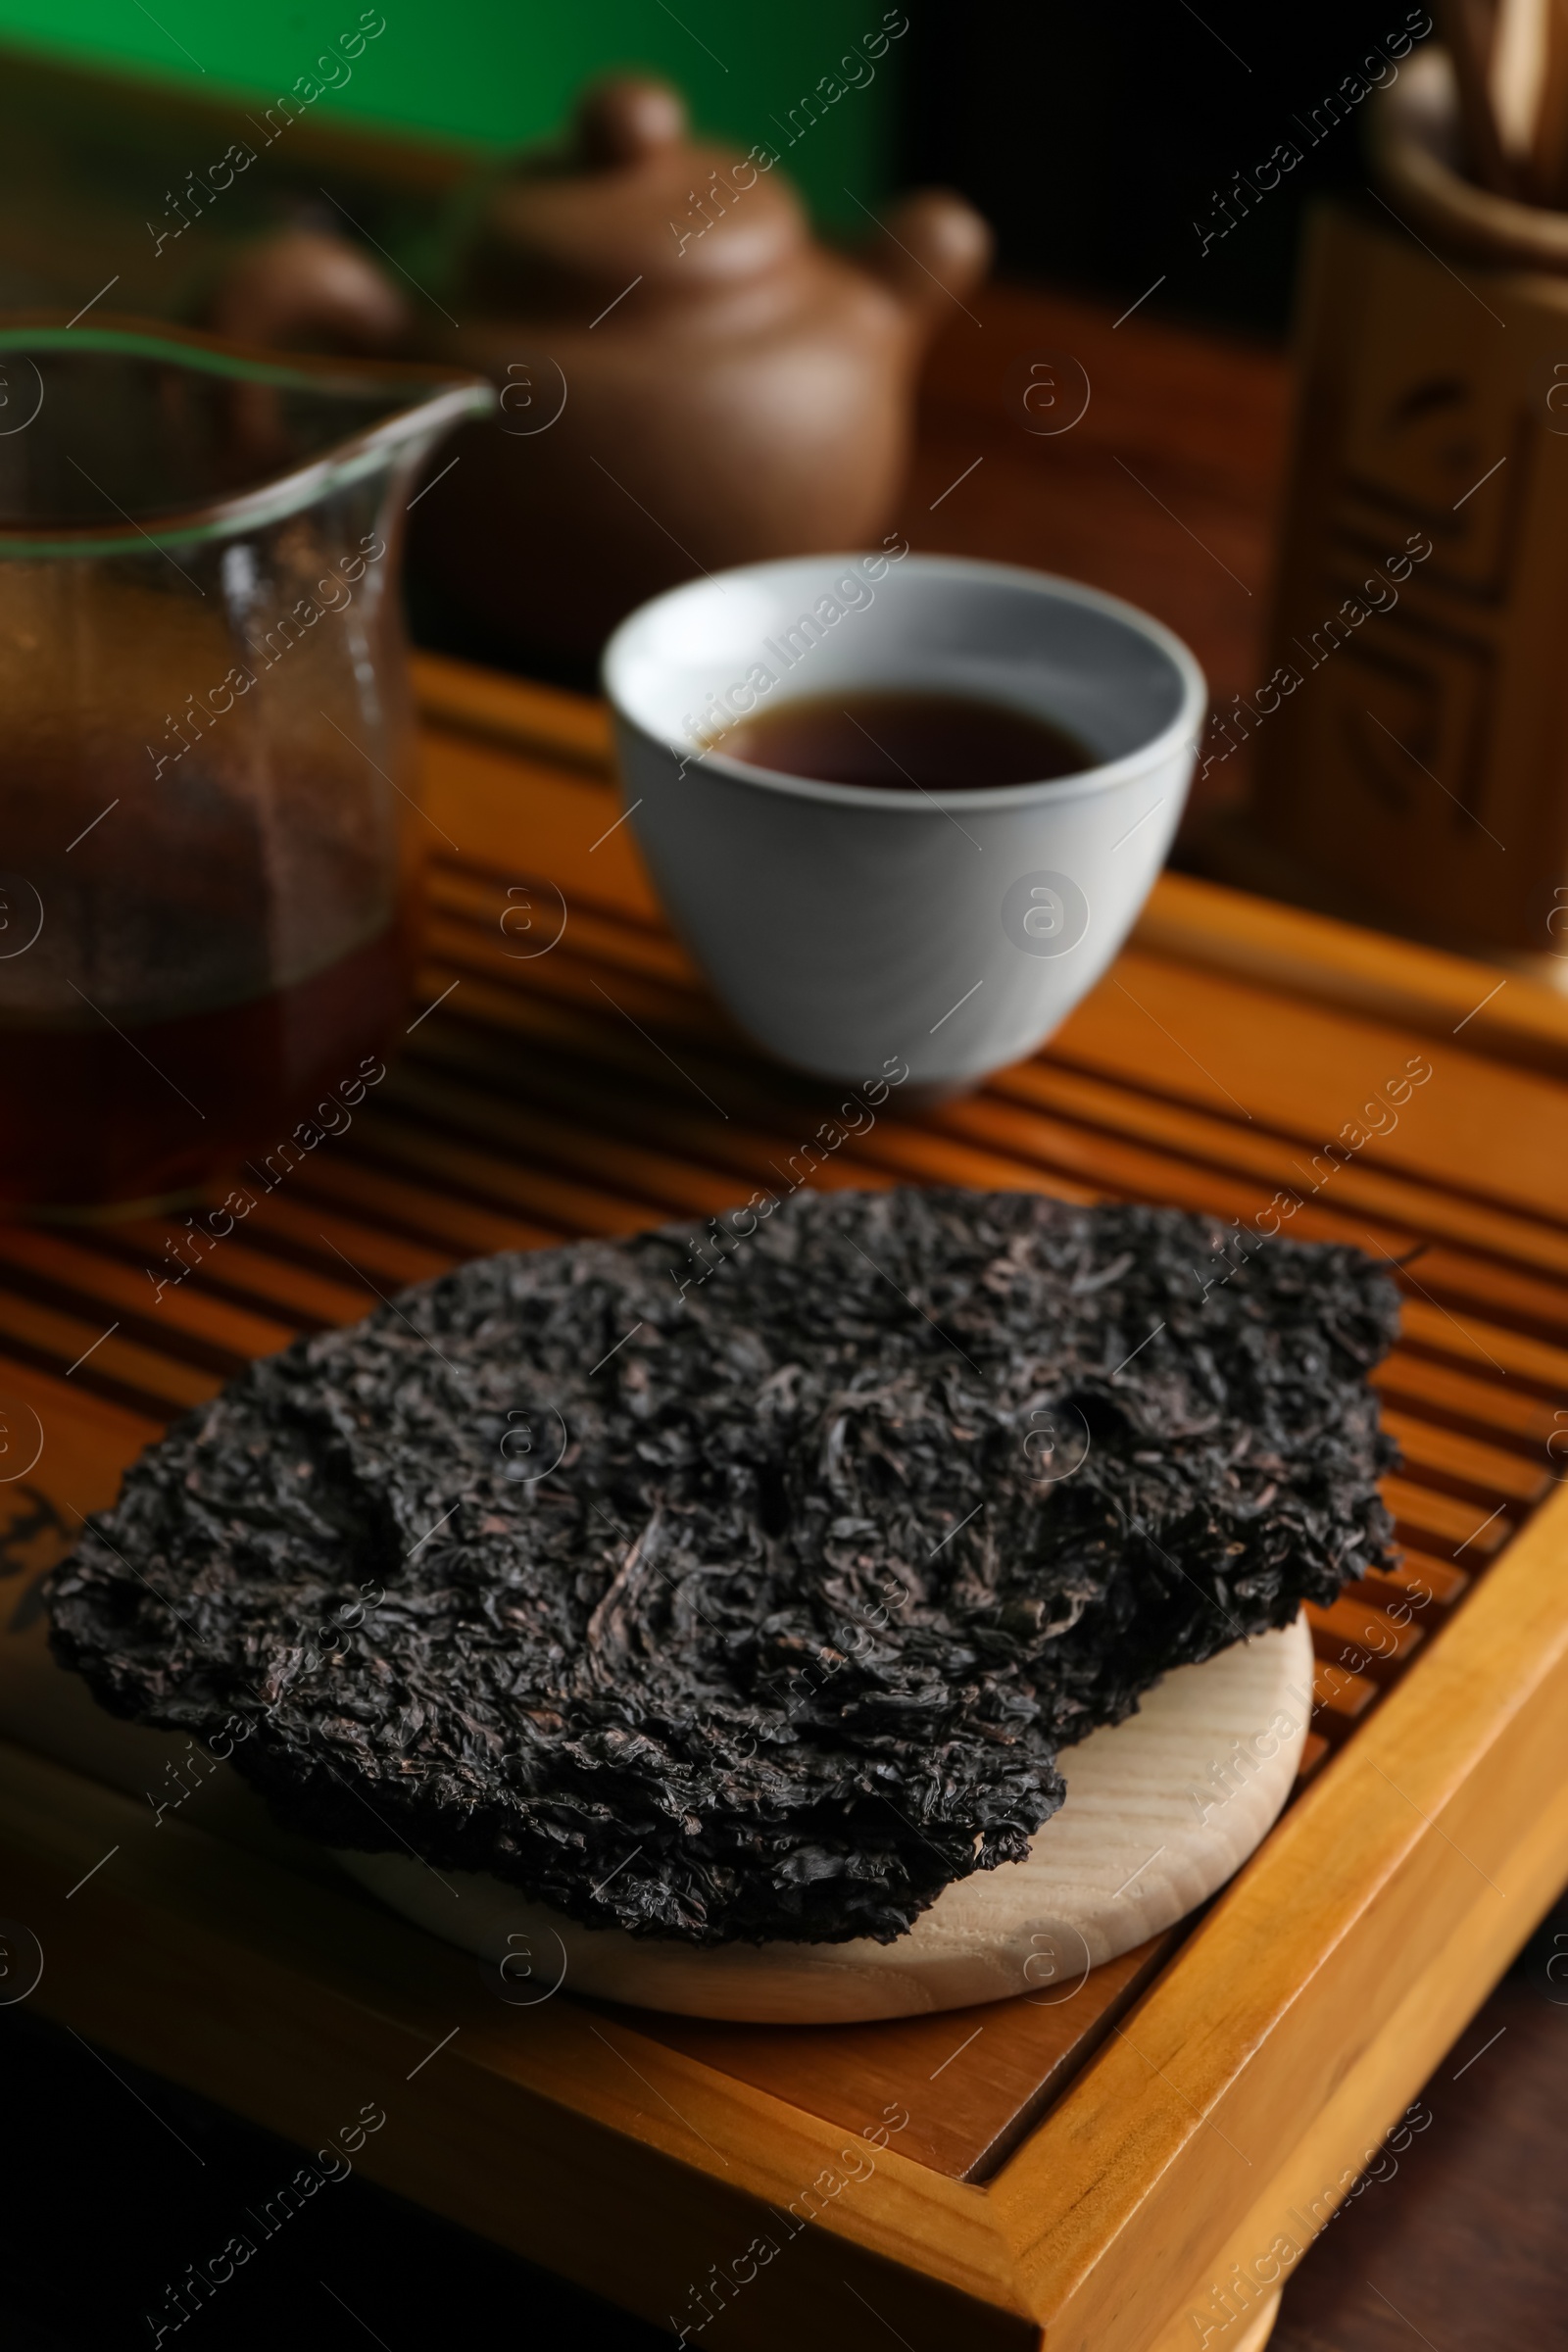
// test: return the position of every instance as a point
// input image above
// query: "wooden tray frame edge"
(1424, 1833)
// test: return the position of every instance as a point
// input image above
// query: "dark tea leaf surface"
(760, 1609)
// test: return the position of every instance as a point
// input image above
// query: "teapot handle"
(305, 290)
(932, 244)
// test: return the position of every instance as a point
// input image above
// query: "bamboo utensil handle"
(1549, 153)
(1515, 73)
(1467, 28)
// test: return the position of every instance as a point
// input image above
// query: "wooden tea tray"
(1085, 2169)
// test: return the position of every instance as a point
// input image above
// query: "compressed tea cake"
(744, 1583)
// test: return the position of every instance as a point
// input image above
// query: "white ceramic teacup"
(846, 927)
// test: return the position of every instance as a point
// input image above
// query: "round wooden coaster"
(1161, 1810)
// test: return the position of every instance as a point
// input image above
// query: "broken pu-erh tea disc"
(745, 1586)
(1161, 1810)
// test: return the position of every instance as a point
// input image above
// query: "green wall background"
(500, 72)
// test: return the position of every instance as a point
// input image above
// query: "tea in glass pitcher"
(209, 838)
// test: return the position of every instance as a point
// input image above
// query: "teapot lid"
(633, 198)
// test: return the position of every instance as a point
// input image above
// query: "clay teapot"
(687, 378)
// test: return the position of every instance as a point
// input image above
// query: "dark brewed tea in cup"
(898, 741)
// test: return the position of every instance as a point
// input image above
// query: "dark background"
(1093, 137)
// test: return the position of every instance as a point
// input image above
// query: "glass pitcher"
(209, 835)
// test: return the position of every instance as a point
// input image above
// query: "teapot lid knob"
(626, 118)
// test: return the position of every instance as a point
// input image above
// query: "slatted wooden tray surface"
(594, 1086)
